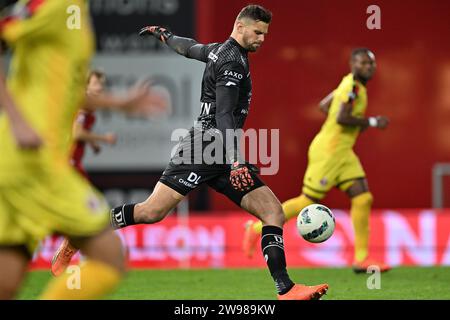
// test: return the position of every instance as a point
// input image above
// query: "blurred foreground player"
(225, 99)
(40, 193)
(332, 161)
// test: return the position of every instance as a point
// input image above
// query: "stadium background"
(303, 59)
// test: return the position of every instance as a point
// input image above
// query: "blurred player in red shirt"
(84, 122)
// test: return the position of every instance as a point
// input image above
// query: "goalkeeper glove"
(159, 33)
(240, 177)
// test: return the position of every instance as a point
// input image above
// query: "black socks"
(273, 251)
(122, 216)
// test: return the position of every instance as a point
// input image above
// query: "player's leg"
(66, 250)
(62, 257)
(13, 267)
(99, 274)
(16, 243)
(70, 206)
(361, 203)
(352, 181)
(162, 200)
(264, 205)
(175, 183)
(260, 201)
(291, 209)
(253, 229)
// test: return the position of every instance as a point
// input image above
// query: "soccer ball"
(315, 223)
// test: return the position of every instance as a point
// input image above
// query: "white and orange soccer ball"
(315, 223)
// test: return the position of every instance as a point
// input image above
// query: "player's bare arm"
(325, 103)
(106, 100)
(93, 139)
(345, 118)
(140, 100)
(81, 134)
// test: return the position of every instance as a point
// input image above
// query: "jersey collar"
(241, 48)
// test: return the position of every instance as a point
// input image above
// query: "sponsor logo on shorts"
(191, 181)
(193, 177)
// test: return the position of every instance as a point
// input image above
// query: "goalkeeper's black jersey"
(226, 65)
(225, 98)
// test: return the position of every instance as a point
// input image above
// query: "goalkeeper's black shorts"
(184, 178)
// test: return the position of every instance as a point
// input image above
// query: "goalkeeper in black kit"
(225, 98)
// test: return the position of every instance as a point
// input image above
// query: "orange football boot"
(62, 257)
(251, 238)
(303, 292)
(361, 267)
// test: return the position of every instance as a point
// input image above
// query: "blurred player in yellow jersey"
(40, 192)
(332, 161)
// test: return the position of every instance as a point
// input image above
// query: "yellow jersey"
(52, 43)
(40, 193)
(334, 138)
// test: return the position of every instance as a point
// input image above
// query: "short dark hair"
(255, 12)
(358, 51)
(98, 73)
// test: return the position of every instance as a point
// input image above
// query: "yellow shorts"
(325, 172)
(48, 203)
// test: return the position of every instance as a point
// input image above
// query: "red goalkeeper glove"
(240, 177)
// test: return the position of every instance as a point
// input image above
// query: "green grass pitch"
(256, 284)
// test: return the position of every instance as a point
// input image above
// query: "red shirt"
(87, 120)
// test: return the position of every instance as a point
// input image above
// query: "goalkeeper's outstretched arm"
(185, 46)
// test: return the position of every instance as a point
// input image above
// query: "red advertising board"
(214, 240)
